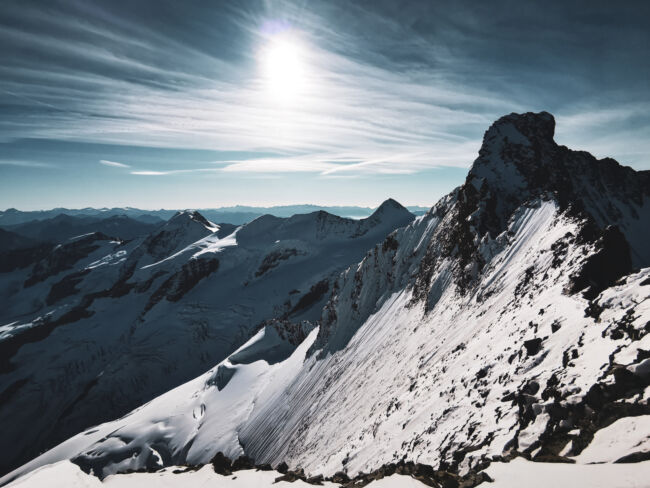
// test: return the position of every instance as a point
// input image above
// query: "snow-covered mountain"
(510, 320)
(99, 325)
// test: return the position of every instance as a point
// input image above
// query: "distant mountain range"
(63, 227)
(237, 215)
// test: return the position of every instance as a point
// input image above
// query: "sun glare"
(283, 66)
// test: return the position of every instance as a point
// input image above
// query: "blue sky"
(204, 104)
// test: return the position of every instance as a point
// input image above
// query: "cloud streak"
(416, 97)
(351, 112)
(173, 171)
(25, 164)
(113, 164)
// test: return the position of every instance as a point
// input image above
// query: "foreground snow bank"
(68, 475)
(520, 472)
(623, 437)
(514, 474)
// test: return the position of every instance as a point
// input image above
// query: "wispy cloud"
(351, 111)
(173, 171)
(344, 163)
(114, 164)
(408, 103)
(25, 164)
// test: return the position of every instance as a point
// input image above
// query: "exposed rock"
(66, 287)
(272, 260)
(183, 280)
(315, 293)
(242, 462)
(64, 257)
(605, 266)
(221, 464)
(533, 346)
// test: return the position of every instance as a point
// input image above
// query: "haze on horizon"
(163, 104)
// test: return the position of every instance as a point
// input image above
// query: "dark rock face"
(184, 280)
(182, 229)
(242, 462)
(66, 287)
(221, 464)
(315, 293)
(533, 346)
(197, 217)
(41, 329)
(609, 263)
(340, 477)
(390, 243)
(13, 259)
(64, 257)
(158, 245)
(273, 259)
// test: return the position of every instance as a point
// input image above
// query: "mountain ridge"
(482, 331)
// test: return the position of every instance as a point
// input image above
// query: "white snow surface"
(626, 435)
(521, 473)
(514, 474)
(67, 475)
(190, 423)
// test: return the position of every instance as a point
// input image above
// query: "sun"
(283, 67)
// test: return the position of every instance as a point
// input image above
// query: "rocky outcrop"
(177, 285)
(274, 258)
(427, 475)
(64, 257)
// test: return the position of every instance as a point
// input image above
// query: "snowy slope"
(193, 422)
(510, 320)
(67, 475)
(466, 336)
(560, 475)
(478, 374)
(505, 475)
(99, 326)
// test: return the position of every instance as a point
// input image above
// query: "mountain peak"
(390, 206)
(520, 161)
(186, 217)
(527, 129)
(516, 150)
(390, 203)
